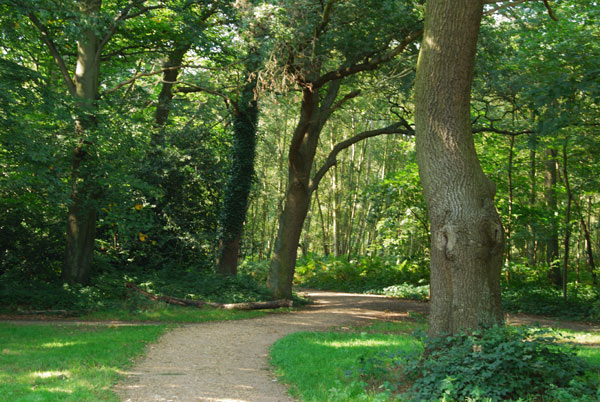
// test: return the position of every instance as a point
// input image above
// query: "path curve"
(228, 361)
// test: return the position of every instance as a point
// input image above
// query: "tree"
(467, 238)
(326, 52)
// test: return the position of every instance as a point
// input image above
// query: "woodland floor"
(228, 361)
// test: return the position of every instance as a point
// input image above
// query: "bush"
(583, 302)
(498, 364)
(356, 274)
(405, 291)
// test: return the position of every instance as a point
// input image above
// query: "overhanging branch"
(369, 65)
(396, 128)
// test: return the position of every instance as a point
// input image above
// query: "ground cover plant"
(68, 362)
(107, 298)
(502, 363)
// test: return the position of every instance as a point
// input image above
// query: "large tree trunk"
(81, 214)
(466, 233)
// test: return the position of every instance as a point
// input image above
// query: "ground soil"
(228, 361)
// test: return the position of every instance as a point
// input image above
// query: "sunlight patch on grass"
(67, 363)
(364, 342)
(174, 314)
(57, 344)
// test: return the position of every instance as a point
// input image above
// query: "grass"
(67, 363)
(174, 314)
(322, 366)
(319, 365)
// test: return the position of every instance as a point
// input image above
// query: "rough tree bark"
(467, 238)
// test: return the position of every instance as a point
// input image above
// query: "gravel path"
(228, 361)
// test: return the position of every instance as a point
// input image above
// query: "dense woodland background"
(159, 123)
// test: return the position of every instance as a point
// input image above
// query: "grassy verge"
(320, 366)
(326, 366)
(67, 363)
(174, 314)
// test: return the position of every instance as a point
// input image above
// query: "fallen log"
(200, 304)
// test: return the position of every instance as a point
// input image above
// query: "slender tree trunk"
(297, 198)
(550, 179)
(510, 202)
(567, 222)
(467, 236)
(81, 213)
(169, 77)
(531, 260)
(585, 226)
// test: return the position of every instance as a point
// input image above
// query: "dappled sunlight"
(61, 375)
(360, 342)
(50, 345)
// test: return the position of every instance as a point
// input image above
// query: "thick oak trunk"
(467, 238)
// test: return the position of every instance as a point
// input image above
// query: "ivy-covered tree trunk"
(237, 190)
(467, 238)
(81, 214)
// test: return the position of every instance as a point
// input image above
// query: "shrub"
(406, 291)
(583, 302)
(500, 363)
(356, 274)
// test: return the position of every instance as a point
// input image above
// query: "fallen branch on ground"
(226, 306)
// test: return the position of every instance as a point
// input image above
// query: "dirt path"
(228, 361)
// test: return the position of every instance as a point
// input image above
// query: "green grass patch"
(361, 364)
(320, 366)
(176, 314)
(67, 363)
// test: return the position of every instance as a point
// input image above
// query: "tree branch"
(505, 5)
(498, 131)
(368, 65)
(54, 52)
(191, 88)
(123, 15)
(341, 102)
(550, 13)
(396, 128)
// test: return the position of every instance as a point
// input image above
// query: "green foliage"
(500, 363)
(107, 292)
(406, 291)
(357, 274)
(583, 301)
(258, 270)
(67, 363)
(206, 286)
